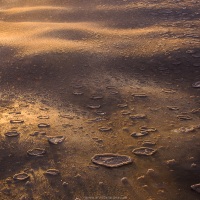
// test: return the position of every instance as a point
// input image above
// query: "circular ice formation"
(21, 176)
(56, 139)
(94, 106)
(36, 152)
(142, 133)
(52, 172)
(43, 125)
(12, 134)
(105, 129)
(43, 117)
(111, 160)
(144, 151)
(16, 121)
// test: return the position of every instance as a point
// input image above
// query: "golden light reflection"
(86, 70)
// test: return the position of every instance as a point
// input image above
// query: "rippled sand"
(90, 70)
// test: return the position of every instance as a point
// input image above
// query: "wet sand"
(96, 72)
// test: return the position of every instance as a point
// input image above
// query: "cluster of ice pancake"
(109, 160)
